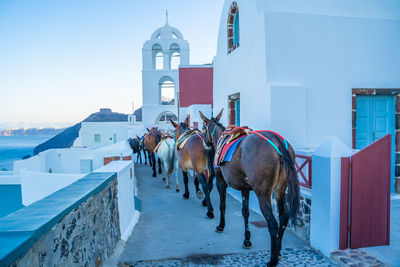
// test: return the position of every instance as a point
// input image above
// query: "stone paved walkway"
(175, 232)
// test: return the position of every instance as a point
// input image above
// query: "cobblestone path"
(175, 232)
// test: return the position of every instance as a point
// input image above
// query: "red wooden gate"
(367, 175)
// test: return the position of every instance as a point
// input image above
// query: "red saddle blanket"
(228, 149)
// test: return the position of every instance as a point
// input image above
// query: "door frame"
(388, 92)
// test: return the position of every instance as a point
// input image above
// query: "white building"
(297, 67)
(162, 55)
(98, 134)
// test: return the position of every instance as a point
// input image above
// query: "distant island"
(66, 138)
(31, 131)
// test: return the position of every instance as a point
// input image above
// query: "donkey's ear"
(173, 123)
(219, 115)
(186, 121)
(137, 136)
(204, 118)
(148, 129)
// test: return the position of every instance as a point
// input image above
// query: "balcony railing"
(304, 170)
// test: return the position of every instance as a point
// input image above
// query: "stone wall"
(303, 232)
(84, 237)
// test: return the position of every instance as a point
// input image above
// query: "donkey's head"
(180, 128)
(210, 126)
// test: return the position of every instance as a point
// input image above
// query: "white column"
(325, 204)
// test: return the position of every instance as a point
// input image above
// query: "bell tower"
(161, 56)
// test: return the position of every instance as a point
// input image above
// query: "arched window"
(233, 27)
(158, 57)
(175, 56)
(166, 116)
(167, 91)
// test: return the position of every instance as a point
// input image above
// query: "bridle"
(210, 137)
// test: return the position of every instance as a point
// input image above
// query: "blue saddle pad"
(229, 154)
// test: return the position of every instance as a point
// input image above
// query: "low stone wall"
(78, 225)
(84, 237)
(303, 232)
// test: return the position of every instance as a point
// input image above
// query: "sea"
(15, 147)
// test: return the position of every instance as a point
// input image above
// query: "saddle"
(164, 137)
(231, 136)
(181, 142)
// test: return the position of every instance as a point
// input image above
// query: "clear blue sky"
(62, 60)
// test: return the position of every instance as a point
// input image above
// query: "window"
(233, 27)
(97, 138)
(166, 116)
(167, 91)
(115, 138)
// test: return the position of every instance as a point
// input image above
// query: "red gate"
(367, 175)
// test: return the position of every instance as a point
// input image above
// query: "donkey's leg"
(283, 217)
(266, 209)
(159, 166)
(246, 213)
(221, 186)
(186, 181)
(204, 185)
(210, 185)
(176, 175)
(199, 194)
(140, 156)
(149, 158)
(153, 161)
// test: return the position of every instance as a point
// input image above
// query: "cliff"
(66, 138)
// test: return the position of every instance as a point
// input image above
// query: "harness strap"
(199, 136)
(269, 141)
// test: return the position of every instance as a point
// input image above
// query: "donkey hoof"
(159, 171)
(186, 195)
(246, 244)
(219, 229)
(272, 263)
(154, 175)
(163, 178)
(199, 194)
(167, 186)
(177, 190)
(210, 215)
(204, 202)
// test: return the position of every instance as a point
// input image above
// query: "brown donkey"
(151, 140)
(262, 166)
(193, 156)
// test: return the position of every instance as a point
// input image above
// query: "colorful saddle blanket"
(181, 142)
(164, 137)
(228, 150)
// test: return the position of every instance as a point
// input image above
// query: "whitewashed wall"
(37, 185)
(193, 111)
(128, 216)
(298, 61)
(105, 129)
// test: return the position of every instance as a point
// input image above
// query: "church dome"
(167, 32)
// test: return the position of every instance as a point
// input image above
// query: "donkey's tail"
(171, 159)
(293, 194)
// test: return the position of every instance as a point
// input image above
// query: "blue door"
(375, 119)
(237, 112)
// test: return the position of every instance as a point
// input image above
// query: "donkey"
(151, 140)
(134, 143)
(142, 147)
(169, 163)
(193, 156)
(264, 167)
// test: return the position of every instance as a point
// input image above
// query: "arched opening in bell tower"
(175, 56)
(167, 91)
(158, 57)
